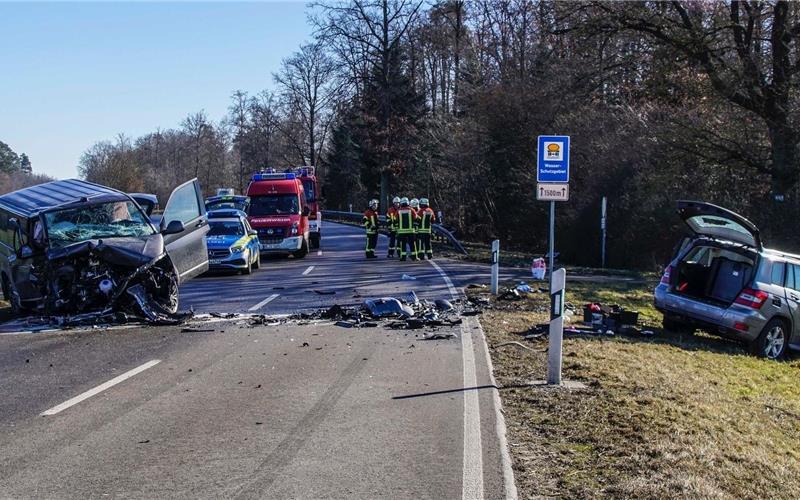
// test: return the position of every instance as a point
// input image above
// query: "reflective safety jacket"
(370, 221)
(391, 218)
(426, 219)
(406, 220)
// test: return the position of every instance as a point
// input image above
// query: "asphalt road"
(337, 273)
(224, 409)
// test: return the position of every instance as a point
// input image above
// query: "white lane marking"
(264, 302)
(308, 270)
(500, 425)
(100, 388)
(472, 477)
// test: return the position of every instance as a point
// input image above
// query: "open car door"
(186, 245)
(705, 219)
(148, 202)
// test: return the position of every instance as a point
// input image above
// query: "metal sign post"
(558, 282)
(551, 242)
(495, 266)
(603, 230)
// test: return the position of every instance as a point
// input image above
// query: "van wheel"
(773, 340)
(672, 325)
(303, 250)
(16, 307)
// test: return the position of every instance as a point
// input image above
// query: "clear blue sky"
(72, 74)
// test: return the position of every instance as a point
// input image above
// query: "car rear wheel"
(257, 263)
(773, 340)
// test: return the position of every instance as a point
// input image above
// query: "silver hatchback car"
(725, 282)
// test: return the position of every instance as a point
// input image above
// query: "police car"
(232, 243)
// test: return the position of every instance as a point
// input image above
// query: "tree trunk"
(784, 157)
(384, 201)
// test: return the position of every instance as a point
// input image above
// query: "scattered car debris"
(510, 294)
(325, 292)
(408, 277)
(439, 336)
(524, 288)
(444, 305)
(388, 307)
(223, 315)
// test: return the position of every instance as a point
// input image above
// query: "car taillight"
(752, 298)
(665, 277)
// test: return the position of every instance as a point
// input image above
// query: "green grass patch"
(662, 417)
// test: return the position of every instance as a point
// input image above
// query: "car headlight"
(237, 249)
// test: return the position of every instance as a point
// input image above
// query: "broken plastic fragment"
(408, 277)
(386, 307)
(444, 305)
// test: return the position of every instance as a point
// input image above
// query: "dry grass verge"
(667, 416)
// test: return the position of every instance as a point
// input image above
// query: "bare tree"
(308, 83)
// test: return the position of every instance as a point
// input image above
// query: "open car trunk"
(714, 274)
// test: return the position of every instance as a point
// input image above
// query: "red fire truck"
(278, 211)
(308, 177)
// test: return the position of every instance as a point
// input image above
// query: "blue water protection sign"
(552, 160)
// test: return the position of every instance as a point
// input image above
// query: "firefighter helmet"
(373, 203)
(404, 200)
(414, 203)
(396, 199)
(423, 202)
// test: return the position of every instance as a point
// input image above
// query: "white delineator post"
(495, 266)
(557, 286)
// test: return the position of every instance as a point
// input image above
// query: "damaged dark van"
(74, 248)
(724, 281)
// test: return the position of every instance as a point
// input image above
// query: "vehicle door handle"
(200, 223)
(793, 296)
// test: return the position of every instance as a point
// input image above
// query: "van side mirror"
(25, 252)
(174, 227)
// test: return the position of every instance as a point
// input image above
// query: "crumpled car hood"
(126, 252)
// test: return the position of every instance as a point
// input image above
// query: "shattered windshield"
(274, 204)
(102, 220)
(226, 228)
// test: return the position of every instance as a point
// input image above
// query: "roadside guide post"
(557, 286)
(495, 266)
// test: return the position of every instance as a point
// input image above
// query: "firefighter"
(405, 229)
(371, 225)
(415, 207)
(391, 221)
(426, 219)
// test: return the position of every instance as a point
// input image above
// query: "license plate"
(215, 261)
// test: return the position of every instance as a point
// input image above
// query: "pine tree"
(391, 121)
(25, 163)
